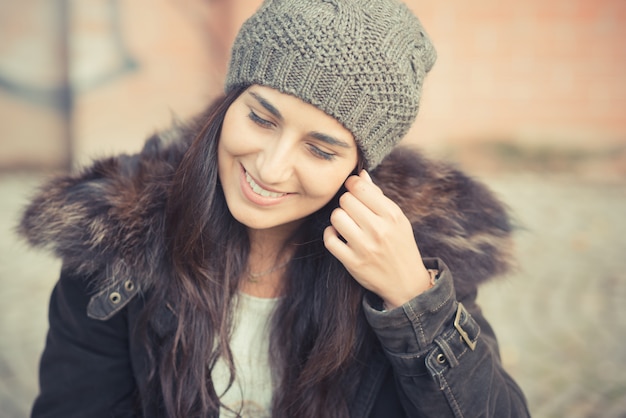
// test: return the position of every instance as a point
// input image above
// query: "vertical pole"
(66, 99)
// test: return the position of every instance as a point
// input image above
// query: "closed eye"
(317, 152)
(259, 120)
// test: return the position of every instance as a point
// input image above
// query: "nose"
(275, 162)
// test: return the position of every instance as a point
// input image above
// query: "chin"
(263, 223)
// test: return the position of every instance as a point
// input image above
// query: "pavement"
(560, 318)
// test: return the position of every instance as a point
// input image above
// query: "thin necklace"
(252, 277)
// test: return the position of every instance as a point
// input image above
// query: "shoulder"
(455, 217)
(109, 217)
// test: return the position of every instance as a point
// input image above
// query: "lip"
(255, 198)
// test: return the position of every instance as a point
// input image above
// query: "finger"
(346, 226)
(364, 174)
(369, 194)
(336, 246)
(360, 214)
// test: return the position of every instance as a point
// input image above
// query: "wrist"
(426, 282)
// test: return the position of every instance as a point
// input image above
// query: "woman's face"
(281, 159)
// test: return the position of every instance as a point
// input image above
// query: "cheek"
(226, 141)
(230, 137)
(322, 186)
(230, 146)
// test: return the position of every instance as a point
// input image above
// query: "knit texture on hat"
(360, 61)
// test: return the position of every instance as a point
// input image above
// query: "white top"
(251, 393)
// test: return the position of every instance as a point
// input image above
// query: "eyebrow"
(317, 135)
(267, 105)
(329, 139)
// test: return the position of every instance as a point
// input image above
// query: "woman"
(247, 264)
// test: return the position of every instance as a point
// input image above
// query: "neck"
(266, 263)
(271, 238)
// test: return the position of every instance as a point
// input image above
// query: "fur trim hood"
(108, 219)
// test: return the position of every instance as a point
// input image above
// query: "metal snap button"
(129, 285)
(115, 297)
(441, 358)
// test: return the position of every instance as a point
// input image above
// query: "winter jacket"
(437, 356)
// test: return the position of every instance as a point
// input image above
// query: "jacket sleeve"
(444, 355)
(85, 369)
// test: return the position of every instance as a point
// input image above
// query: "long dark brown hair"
(319, 337)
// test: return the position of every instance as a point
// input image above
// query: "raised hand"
(378, 247)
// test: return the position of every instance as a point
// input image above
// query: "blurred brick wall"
(533, 71)
(526, 70)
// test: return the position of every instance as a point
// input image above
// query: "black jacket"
(437, 355)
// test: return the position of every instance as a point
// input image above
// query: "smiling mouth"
(261, 191)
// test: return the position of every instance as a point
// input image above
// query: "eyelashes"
(321, 154)
(259, 120)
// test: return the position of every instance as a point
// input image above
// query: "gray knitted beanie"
(360, 61)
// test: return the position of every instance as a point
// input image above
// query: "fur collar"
(108, 218)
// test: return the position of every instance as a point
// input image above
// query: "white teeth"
(261, 191)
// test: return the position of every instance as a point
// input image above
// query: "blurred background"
(529, 97)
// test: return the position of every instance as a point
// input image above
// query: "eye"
(317, 152)
(259, 120)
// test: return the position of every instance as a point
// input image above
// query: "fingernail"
(367, 175)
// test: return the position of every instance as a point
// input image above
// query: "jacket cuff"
(430, 324)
